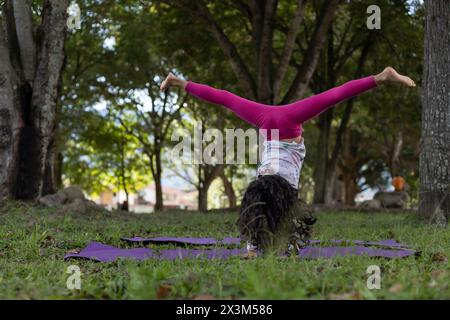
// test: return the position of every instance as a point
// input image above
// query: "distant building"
(144, 200)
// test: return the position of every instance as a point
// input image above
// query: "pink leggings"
(287, 118)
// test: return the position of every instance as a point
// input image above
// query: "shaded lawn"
(33, 242)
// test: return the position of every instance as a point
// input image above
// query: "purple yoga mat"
(192, 241)
(383, 243)
(104, 253)
(236, 241)
(331, 252)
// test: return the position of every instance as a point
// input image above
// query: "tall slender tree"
(435, 140)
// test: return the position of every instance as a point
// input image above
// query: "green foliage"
(107, 159)
(125, 48)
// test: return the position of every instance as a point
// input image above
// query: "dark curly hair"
(269, 207)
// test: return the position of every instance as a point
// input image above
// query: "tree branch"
(288, 48)
(257, 17)
(264, 66)
(243, 8)
(241, 71)
(304, 74)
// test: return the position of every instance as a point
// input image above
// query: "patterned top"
(284, 159)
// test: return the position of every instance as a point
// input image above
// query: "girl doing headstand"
(270, 205)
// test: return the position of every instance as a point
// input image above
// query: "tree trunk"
(320, 172)
(349, 166)
(229, 190)
(394, 159)
(326, 167)
(350, 189)
(203, 195)
(123, 176)
(207, 174)
(331, 185)
(435, 152)
(58, 167)
(50, 173)
(30, 72)
(203, 198)
(159, 203)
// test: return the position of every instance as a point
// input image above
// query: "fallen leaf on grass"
(439, 257)
(320, 269)
(31, 222)
(8, 234)
(437, 273)
(163, 291)
(47, 241)
(74, 251)
(396, 288)
(353, 295)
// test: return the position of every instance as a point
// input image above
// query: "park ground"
(34, 240)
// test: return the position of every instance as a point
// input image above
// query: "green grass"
(33, 242)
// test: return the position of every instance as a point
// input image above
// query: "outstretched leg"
(267, 117)
(250, 111)
(306, 109)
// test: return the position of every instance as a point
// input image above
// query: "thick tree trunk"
(350, 189)
(207, 174)
(203, 189)
(58, 170)
(51, 169)
(9, 120)
(30, 73)
(435, 152)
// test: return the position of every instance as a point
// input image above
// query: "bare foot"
(167, 82)
(389, 75)
(172, 80)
